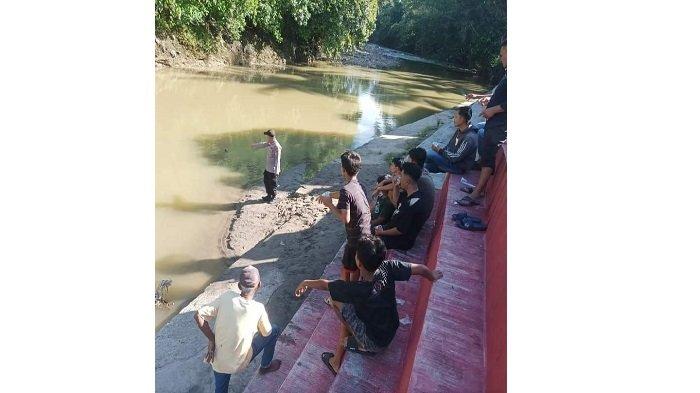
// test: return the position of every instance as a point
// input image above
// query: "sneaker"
(266, 198)
(274, 366)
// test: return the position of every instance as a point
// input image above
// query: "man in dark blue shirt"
(495, 132)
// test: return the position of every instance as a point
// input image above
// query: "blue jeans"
(260, 344)
(436, 163)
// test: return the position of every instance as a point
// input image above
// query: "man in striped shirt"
(459, 153)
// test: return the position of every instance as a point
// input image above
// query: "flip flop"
(467, 201)
(462, 216)
(472, 226)
(326, 357)
(353, 346)
(470, 220)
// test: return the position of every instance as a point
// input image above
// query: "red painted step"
(449, 349)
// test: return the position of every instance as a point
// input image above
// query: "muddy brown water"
(206, 120)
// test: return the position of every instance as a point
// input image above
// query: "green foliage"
(307, 27)
(462, 32)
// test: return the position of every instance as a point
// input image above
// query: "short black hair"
(397, 162)
(465, 112)
(412, 170)
(371, 252)
(351, 162)
(418, 155)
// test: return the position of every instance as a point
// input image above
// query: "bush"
(313, 27)
(466, 33)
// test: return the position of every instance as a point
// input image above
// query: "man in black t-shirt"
(352, 209)
(495, 131)
(367, 308)
(383, 208)
(412, 211)
(418, 156)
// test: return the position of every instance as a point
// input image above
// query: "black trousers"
(270, 180)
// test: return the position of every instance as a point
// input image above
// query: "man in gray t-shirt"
(352, 209)
(425, 183)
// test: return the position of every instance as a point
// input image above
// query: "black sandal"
(326, 357)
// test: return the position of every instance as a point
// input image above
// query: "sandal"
(472, 226)
(467, 201)
(353, 346)
(463, 216)
(326, 357)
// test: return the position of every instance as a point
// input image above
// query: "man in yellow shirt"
(241, 332)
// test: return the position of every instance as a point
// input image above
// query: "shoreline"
(289, 240)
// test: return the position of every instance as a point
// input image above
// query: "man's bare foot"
(274, 366)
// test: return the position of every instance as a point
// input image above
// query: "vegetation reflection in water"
(233, 152)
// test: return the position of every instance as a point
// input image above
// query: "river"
(206, 120)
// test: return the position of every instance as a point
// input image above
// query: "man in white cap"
(272, 164)
(241, 332)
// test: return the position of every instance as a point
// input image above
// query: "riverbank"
(170, 53)
(289, 240)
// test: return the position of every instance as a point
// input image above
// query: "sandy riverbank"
(290, 240)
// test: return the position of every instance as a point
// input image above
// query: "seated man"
(241, 332)
(367, 308)
(417, 155)
(459, 153)
(411, 211)
(382, 208)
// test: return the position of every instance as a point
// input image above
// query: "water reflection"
(232, 151)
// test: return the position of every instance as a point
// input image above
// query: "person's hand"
(488, 112)
(435, 148)
(325, 200)
(484, 101)
(435, 275)
(470, 96)
(378, 230)
(301, 289)
(211, 349)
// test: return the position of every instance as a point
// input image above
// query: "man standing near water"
(272, 165)
(352, 209)
(496, 125)
(241, 332)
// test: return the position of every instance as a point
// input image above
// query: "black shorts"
(492, 138)
(349, 256)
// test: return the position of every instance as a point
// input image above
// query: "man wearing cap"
(272, 165)
(241, 332)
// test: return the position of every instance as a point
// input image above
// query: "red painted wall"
(424, 291)
(495, 278)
